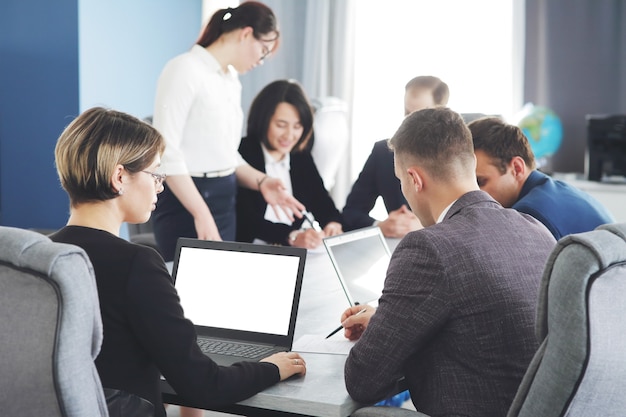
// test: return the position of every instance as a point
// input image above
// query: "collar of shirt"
(534, 179)
(283, 165)
(209, 60)
(444, 212)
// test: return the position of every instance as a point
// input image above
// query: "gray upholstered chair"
(580, 368)
(51, 328)
(331, 133)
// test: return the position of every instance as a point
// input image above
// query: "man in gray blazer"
(457, 313)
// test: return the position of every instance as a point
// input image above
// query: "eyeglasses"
(158, 178)
(264, 48)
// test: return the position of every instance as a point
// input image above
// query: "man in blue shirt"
(505, 169)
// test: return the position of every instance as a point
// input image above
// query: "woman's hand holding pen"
(307, 238)
(311, 237)
(355, 320)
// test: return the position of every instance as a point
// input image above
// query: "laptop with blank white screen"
(242, 298)
(360, 258)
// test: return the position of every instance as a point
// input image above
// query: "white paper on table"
(315, 343)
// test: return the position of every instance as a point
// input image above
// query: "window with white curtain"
(468, 44)
(473, 46)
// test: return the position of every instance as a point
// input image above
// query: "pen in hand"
(309, 218)
(363, 310)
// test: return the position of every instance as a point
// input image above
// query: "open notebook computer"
(239, 296)
(360, 258)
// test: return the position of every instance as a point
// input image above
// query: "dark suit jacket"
(376, 179)
(307, 186)
(457, 313)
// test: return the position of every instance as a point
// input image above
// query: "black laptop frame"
(242, 335)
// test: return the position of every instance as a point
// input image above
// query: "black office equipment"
(605, 156)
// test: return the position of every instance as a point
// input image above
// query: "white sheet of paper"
(315, 343)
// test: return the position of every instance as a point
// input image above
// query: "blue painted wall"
(60, 57)
(38, 91)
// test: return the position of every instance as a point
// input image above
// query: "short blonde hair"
(94, 143)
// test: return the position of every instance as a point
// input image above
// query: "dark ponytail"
(250, 13)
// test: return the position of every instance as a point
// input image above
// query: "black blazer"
(376, 179)
(307, 186)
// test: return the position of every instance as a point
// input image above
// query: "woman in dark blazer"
(280, 123)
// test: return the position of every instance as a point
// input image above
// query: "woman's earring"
(120, 192)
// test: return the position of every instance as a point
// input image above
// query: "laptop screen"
(237, 286)
(361, 259)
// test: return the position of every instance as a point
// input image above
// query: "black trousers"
(171, 220)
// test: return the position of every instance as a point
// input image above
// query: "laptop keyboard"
(243, 350)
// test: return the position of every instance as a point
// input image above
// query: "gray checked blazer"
(457, 313)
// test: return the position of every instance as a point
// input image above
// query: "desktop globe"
(543, 129)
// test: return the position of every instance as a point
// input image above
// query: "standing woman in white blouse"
(198, 111)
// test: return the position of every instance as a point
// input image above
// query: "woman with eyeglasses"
(107, 162)
(198, 111)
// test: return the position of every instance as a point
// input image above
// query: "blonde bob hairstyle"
(98, 140)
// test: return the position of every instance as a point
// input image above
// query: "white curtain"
(328, 69)
(328, 63)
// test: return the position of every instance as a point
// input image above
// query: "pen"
(309, 218)
(341, 327)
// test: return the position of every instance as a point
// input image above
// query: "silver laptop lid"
(360, 258)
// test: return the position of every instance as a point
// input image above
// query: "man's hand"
(399, 223)
(333, 229)
(355, 320)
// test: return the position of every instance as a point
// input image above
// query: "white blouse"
(198, 112)
(278, 169)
